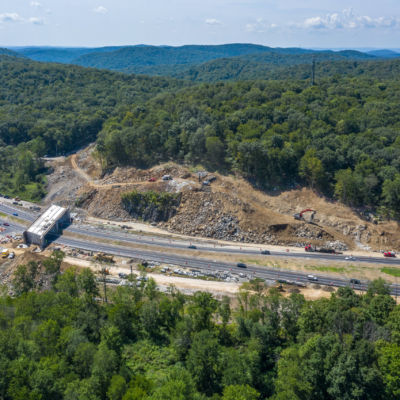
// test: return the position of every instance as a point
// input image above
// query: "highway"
(176, 259)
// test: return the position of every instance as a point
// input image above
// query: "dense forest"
(54, 109)
(67, 343)
(340, 137)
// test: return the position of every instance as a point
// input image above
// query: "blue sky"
(306, 23)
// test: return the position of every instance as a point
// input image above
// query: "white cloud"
(347, 19)
(10, 17)
(36, 4)
(100, 10)
(36, 21)
(260, 25)
(213, 21)
(14, 18)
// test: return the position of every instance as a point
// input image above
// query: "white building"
(47, 226)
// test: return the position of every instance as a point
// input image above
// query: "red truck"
(389, 254)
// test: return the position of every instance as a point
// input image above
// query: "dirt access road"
(96, 185)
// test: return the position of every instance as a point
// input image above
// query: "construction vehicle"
(104, 258)
(5, 253)
(310, 248)
(299, 216)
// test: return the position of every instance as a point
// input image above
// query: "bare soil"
(229, 209)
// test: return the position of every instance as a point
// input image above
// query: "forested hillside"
(7, 52)
(59, 54)
(281, 67)
(176, 61)
(119, 57)
(183, 61)
(340, 137)
(53, 109)
(65, 343)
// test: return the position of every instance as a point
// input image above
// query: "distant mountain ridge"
(127, 58)
(137, 59)
(206, 63)
(8, 52)
(65, 55)
(384, 53)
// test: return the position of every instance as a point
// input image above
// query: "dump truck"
(314, 249)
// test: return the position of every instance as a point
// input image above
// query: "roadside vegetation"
(151, 205)
(66, 342)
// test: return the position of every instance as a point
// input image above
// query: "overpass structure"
(50, 223)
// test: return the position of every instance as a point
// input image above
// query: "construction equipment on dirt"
(104, 258)
(299, 216)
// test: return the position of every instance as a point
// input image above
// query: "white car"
(312, 278)
(350, 258)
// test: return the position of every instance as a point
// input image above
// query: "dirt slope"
(230, 208)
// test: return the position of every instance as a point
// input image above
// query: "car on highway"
(6, 224)
(389, 254)
(192, 246)
(312, 278)
(15, 214)
(265, 252)
(355, 281)
(350, 258)
(241, 265)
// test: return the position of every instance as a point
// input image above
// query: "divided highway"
(159, 256)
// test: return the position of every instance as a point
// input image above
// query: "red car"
(389, 254)
(6, 224)
(152, 179)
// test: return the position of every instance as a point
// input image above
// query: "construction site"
(228, 208)
(212, 211)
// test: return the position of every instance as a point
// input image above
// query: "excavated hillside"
(229, 208)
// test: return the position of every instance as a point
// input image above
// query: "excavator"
(299, 216)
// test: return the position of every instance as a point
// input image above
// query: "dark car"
(192, 246)
(15, 214)
(266, 252)
(241, 265)
(6, 224)
(355, 281)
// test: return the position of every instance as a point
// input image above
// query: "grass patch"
(391, 271)
(326, 268)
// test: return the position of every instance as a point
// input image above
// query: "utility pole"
(104, 273)
(313, 72)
